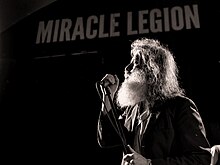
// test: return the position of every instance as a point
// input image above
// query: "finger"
(131, 149)
(110, 78)
(128, 157)
(131, 161)
(116, 78)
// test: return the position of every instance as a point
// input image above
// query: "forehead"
(137, 56)
(138, 52)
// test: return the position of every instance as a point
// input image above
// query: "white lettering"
(143, 22)
(155, 20)
(90, 31)
(114, 24)
(78, 29)
(130, 30)
(44, 32)
(65, 29)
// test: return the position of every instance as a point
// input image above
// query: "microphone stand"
(117, 123)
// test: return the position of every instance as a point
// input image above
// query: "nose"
(129, 67)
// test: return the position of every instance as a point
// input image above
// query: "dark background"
(50, 105)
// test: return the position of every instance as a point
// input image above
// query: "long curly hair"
(160, 68)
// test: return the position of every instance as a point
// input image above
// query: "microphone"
(108, 80)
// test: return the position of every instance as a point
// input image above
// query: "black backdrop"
(48, 95)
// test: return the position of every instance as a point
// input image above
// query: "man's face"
(133, 89)
(136, 63)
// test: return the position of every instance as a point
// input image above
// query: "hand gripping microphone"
(107, 81)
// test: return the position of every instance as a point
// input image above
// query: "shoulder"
(181, 102)
(180, 106)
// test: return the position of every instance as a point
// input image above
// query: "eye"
(136, 60)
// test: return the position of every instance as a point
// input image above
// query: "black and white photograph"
(110, 82)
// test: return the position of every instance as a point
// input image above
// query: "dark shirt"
(174, 135)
